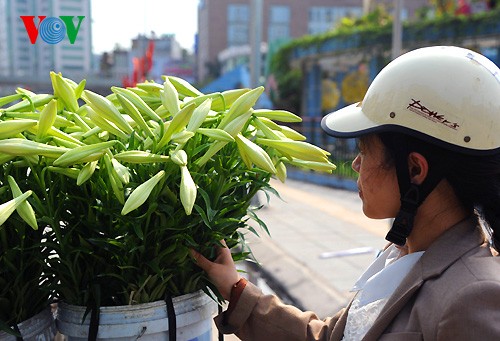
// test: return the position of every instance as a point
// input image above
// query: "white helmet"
(444, 94)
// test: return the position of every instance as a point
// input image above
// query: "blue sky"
(118, 21)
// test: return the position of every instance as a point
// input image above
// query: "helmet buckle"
(403, 223)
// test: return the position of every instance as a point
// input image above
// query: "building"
(167, 52)
(4, 50)
(225, 30)
(33, 51)
(121, 63)
(152, 57)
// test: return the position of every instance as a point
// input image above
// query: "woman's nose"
(356, 163)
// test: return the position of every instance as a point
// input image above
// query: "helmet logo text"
(434, 116)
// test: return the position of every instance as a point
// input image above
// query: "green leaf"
(211, 213)
(138, 231)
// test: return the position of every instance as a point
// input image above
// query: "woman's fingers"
(223, 256)
(222, 271)
(200, 260)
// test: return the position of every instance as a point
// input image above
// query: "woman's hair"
(475, 179)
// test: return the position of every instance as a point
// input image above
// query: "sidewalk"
(309, 221)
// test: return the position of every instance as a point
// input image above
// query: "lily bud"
(115, 182)
(268, 133)
(182, 137)
(188, 190)
(11, 98)
(106, 109)
(236, 125)
(228, 98)
(298, 149)
(34, 102)
(20, 146)
(183, 87)
(242, 105)
(178, 123)
(24, 209)
(138, 156)
(121, 171)
(292, 134)
(256, 154)
(13, 127)
(134, 113)
(47, 118)
(179, 157)
(64, 91)
(216, 134)
(6, 209)
(137, 101)
(104, 124)
(314, 165)
(151, 88)
(86, 172)
(278, 115)
(75, 155)
(280, 171)
(170, 97)
(141, 193)
(69, 172)
(199, 115)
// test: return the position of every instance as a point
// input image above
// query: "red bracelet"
(236, 291)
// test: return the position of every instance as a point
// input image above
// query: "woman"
(429, 140)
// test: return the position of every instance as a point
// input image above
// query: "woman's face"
(377, 181)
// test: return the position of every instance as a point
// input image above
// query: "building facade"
(225, 27)
(4, 54)
(167, 53)
(154, 56)
(49, 47)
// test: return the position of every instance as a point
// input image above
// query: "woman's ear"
(418, 167)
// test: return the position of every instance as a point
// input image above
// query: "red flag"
(148, 64)
(141, 66)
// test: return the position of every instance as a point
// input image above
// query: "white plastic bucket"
(40, 327)
(146, 322)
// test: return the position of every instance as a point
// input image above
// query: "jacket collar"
(449, 247)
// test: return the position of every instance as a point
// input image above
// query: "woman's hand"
(222, 271)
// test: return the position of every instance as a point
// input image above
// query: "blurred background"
(312, 56)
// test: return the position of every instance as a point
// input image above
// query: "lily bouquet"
(120, 187)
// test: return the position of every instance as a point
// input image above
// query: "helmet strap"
(412, 196)
(403, 223)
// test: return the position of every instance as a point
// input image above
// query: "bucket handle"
(172, 321)
(221, 336)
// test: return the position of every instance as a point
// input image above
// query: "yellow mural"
(355, 84)
(330, 94)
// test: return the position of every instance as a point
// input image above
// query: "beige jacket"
(452, 293)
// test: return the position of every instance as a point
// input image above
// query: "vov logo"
(52, 30)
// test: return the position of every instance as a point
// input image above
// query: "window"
(73, 67)
(279, 23)
(71, 9)
(280, 14)
(73, 57)
(322, 19)
(72, 47)
(238, 17)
